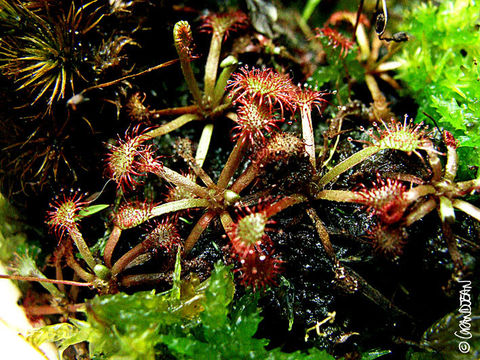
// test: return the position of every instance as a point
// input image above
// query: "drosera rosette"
(402, 136)
(254, 120)
(130, 158)
(386, 199)
(160, 235)
(397, 207)
(259, 269)
(335, 40)
(64, 213)
(407, 136)
(264, 85)
(63, 220)
(133, 213)
(387, 240)
(278, 149)
(249, 232)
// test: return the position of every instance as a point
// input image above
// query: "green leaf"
(176, 289)
(11, 230)
(424, 356)
(90, 210)
(218, 296)
(374, 354)
(51, 333)
(130, 326)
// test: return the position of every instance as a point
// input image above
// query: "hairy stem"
(338, 195)
(227, 221)
(435, 164)
(42, 310)
(197, 230)
(232, 163)
(58, 255)
(252, 171)
(82, 274)
(211, 66)
(467, 186)
(467, 208)
(420, 212)
(190, 109)
(308, 135)
(111, 244)
(127, 258)
(322, 233)
(347, 164)
(204, 144)
(170, 126)
(419, 191)
(451, 166)
(284, 203)
(452, 246)
(182, 181)
(145, 279)
(43, 280)
(178, 205)
(82, 247)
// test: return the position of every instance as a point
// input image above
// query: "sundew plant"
(242, 179)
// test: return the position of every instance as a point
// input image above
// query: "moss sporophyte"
(246, 198)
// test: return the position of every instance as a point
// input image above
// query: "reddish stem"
(111, 244)
(197, 230)
(284, 203)
(190, 109)
(127, 258)
(145, 279)
(246, 178)
(50, 310)
(233, 162)
(33, 278)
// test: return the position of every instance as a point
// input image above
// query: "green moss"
(441, 72)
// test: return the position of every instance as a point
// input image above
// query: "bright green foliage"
(26, 265)
(309, 8)
(230, 337)
(440, 69)
(88, 211)
(52, 333)
(11, 231)
(332, 75)
(198, 325)
(424, 356)
(374, 354)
